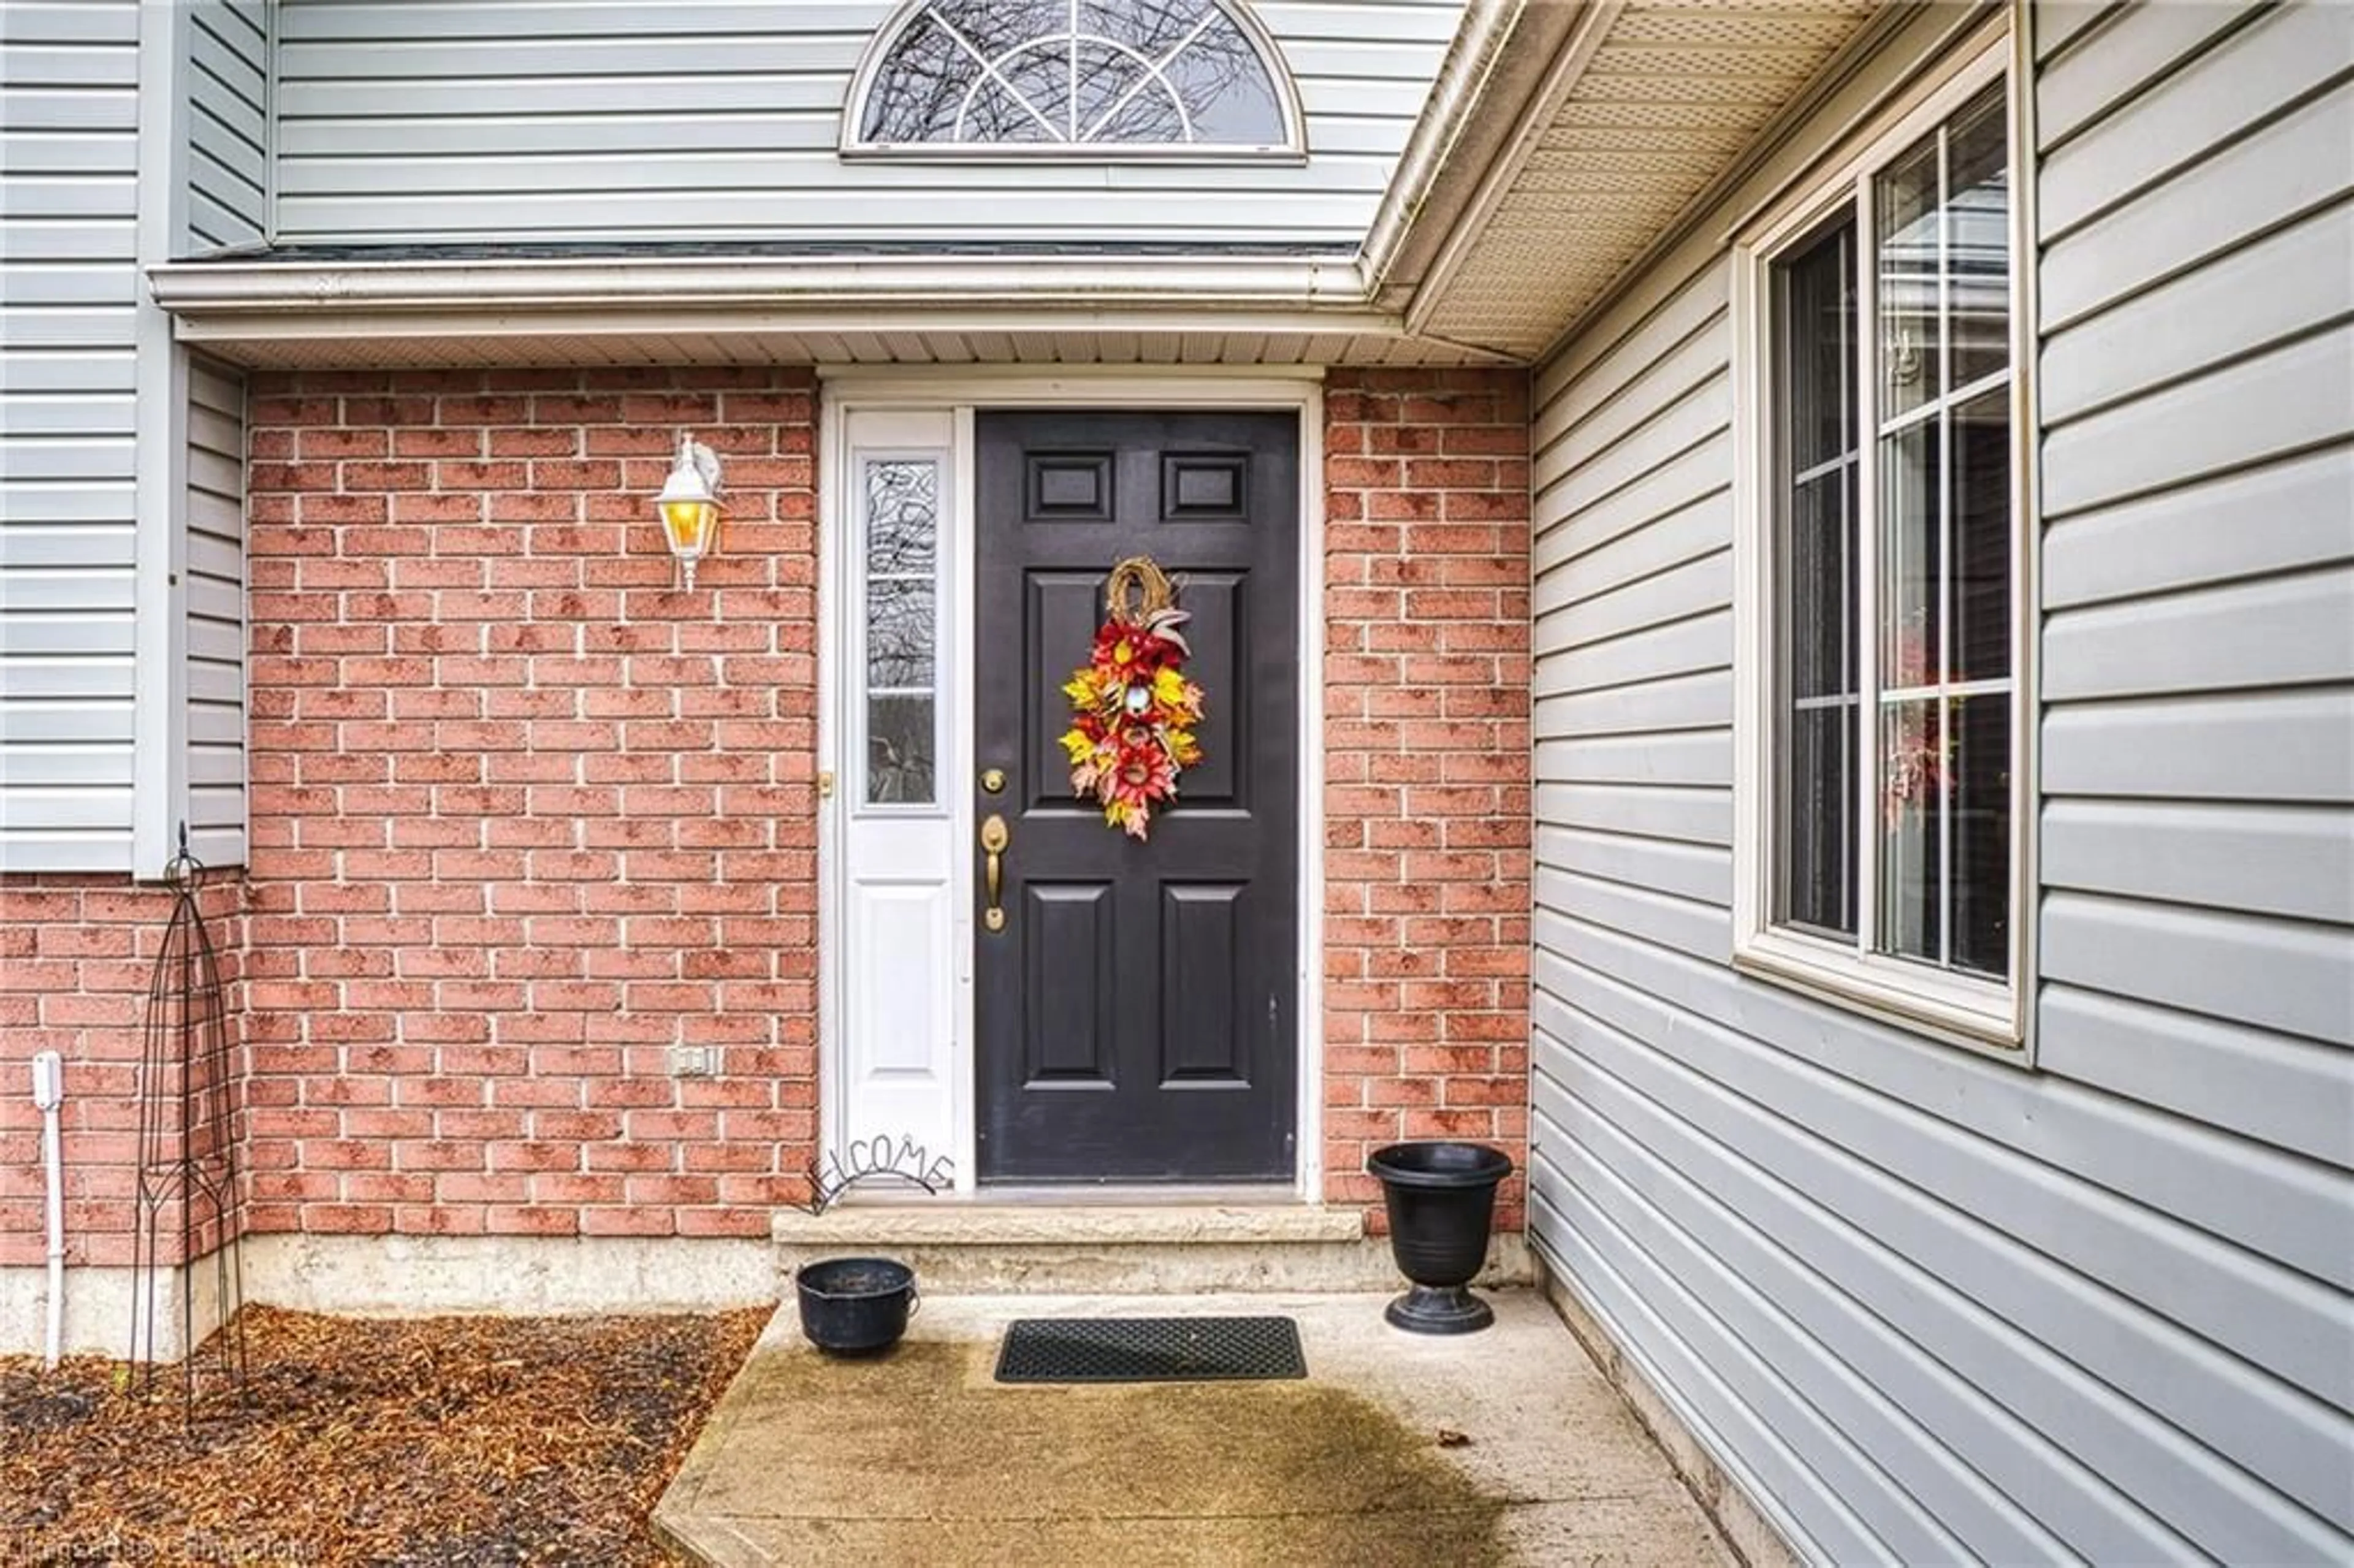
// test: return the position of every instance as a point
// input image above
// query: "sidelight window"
(1073, 78)
(900, 503)
(1883, 764)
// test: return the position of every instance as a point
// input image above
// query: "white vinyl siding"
(113, 444)
(213, 606)
(1927, 1305)
(69, 293)
(561, 120)
(228, 78)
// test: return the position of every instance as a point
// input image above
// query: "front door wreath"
(1134, 711)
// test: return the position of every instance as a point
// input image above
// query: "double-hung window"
(1883, 723)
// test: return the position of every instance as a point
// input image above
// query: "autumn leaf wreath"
(1134, 711)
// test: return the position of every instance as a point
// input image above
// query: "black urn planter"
(1442, 1200)
(855, 1305)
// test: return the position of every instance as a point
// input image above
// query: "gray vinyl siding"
(213, 607)
(228, 76)
(553, 119)
(1925, 1304)
(95, 403)
(69, 295)
(2197, 215)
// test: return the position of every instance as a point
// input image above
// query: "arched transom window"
(1080, 78)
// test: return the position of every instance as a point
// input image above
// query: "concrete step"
(996, 1246)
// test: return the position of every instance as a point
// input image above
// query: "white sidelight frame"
(867, 412)
(1956, 1008)
(903, 882)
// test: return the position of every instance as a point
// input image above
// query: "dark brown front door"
(1136, 1006)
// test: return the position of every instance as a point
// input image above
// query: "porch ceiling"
(1557, 181)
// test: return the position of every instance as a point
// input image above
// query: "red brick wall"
(524, 817)
(76, 956)
(1426, 767)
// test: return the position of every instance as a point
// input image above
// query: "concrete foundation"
(407, 1276)
(415, 1277)
(100, 1309)
(1744, 1525)
(955, 1248)
(987, 1248)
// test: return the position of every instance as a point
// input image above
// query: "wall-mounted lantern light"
(689, 505)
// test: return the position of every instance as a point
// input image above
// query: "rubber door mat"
(1150, 1349)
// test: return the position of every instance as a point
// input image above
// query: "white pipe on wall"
(48, 1095)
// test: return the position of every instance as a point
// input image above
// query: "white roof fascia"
(1471, 62)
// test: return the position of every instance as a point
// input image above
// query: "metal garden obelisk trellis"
(187, 1151)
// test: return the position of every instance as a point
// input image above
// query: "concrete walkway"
(1503, 1446)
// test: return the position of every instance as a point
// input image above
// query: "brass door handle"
(993, 840)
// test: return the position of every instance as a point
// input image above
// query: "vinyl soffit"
(1673, 92)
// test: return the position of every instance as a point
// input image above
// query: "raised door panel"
(1205, 1034)
(1067, 1002)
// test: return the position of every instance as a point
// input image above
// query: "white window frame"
(1958, 1008)
(1292, 149)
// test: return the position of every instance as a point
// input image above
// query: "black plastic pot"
(1442, 1201)
(857, 1306)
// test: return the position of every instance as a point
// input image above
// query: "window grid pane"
(1911, 273)
(1817, 678)
(1912, 753)
(1076, 73)
(1978, 740)
(899, 551)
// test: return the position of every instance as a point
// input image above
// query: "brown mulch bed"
(443, 1441)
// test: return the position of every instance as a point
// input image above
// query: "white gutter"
(49, 1095)
(1463, 76)
(226, 288)
(1587, 24)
